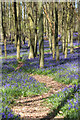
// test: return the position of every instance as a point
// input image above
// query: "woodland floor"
(32, 108)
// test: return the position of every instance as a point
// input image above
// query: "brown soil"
(32, 108)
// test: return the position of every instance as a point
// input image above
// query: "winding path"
(32, 108)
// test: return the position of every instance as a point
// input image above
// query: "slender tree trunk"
(17, 41)
(10, 24)
(24, 24)
(53, 37)
(50, 38)
(4, 32)
(31, 52)
(35, 46)
(67, 28)
(44, 25)
(31, 29)
(16, 24)
(41, 41)
(18, 49)
(18, 31)
(63, 31)
(56, 31)
(1, 31)
(79, 22)
(72, 28)
(71, 43)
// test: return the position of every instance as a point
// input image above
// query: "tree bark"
(79, 22)
(1, 31)
(41, 41)
(35, 46)
(67, 30)
(17, 40)
(56, 31)
(3, 27)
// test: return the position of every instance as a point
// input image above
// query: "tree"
(72, 26)
(4, 27)
(56, 31)
(1, 31)
(67, 29)
(63, 28)
(49, 30)
(41, 40)
(78, 21)
(24, 23)
(17, 25)
(31, 29)
(36, 36)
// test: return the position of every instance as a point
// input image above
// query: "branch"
(31, 17)
(48, 20)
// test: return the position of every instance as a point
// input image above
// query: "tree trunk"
(72, 28)
(41, 41)
(24, 24)
(10, 24)
(4, 31)
(71, 43)
(16, 24)
(63, 31)
(56, 31)
(53, 26)
(79, 22)
(1, 31)
(18, 30)
(67, 31)
(35, 46)
(50, 38)
(31, 52)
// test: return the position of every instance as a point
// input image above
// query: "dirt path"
(31, 108)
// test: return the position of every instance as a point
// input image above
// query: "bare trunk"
(31, 52)
(41, 41)
(71, 44)
(79, 22)
(4, 32)
(35, 46)
(1, 30)
(18, 49)
(67, 31)
(56, 31)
